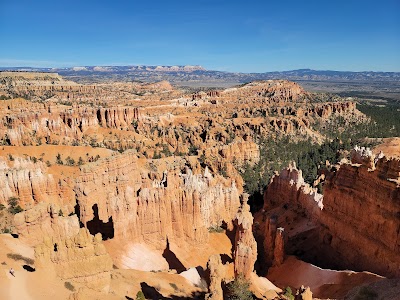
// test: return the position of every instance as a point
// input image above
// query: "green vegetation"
(70, 161)
(288, 293)
(68, 285)
(276, 153)
(80, 161)
(193, 149)
(58, 159)
(239, 289)
(166, 150)
(14, 207)
(17, 257)
(215, 228)
(156, 155)
(140, 296)
(386, 118)
(6, 230)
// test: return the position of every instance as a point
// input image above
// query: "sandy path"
(18, 286)
(39, 285)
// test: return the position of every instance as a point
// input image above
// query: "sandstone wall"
(31, 184)
(362, 215)
(22, 126)
(358, 215)
(152, 206)
(81, 258)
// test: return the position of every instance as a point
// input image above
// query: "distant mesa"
(79, 69)
(186, 68)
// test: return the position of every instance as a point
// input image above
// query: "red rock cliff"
(122, 195)
(358, 215)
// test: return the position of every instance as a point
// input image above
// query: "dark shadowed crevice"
(231, 234)
(153, 293)
(172, 260)
(99, 116)
(150, 292)
(225, 258)
(77, 210)
(96, 225)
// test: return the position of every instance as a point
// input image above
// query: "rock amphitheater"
(110, 189)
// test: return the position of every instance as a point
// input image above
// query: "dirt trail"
(18, 286)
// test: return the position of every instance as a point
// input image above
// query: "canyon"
(117, 188)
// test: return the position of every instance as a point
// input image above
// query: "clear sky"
(242, 36)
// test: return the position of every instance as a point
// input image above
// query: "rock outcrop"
(273, 242)
(217, 275)
(285, 187)
(303, 294)
(279, 247)
(245, 244)
(117, 199)
(238, 152)
(45, 220)
(276, 91)
(31, 184)
(82, 258)
(357, 218)
(362, 215)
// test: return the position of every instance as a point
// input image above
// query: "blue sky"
(242, 36)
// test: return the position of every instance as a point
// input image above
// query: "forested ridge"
(276, 153)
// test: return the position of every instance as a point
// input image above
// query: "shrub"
(193, 150)
(70, 161)
(215, 228)
(58, 159)
(224, 171)
(13, 201)
(288, 293)
(239, 289)
(14, 208)
(166, 150)
(17, 257)
(6, 230)
(140, 296)
(68, 285)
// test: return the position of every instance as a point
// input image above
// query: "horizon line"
(3, 68)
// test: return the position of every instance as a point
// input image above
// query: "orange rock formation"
(353, 193)
(246, 246)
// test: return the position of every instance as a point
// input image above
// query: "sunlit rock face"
(357, 216)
